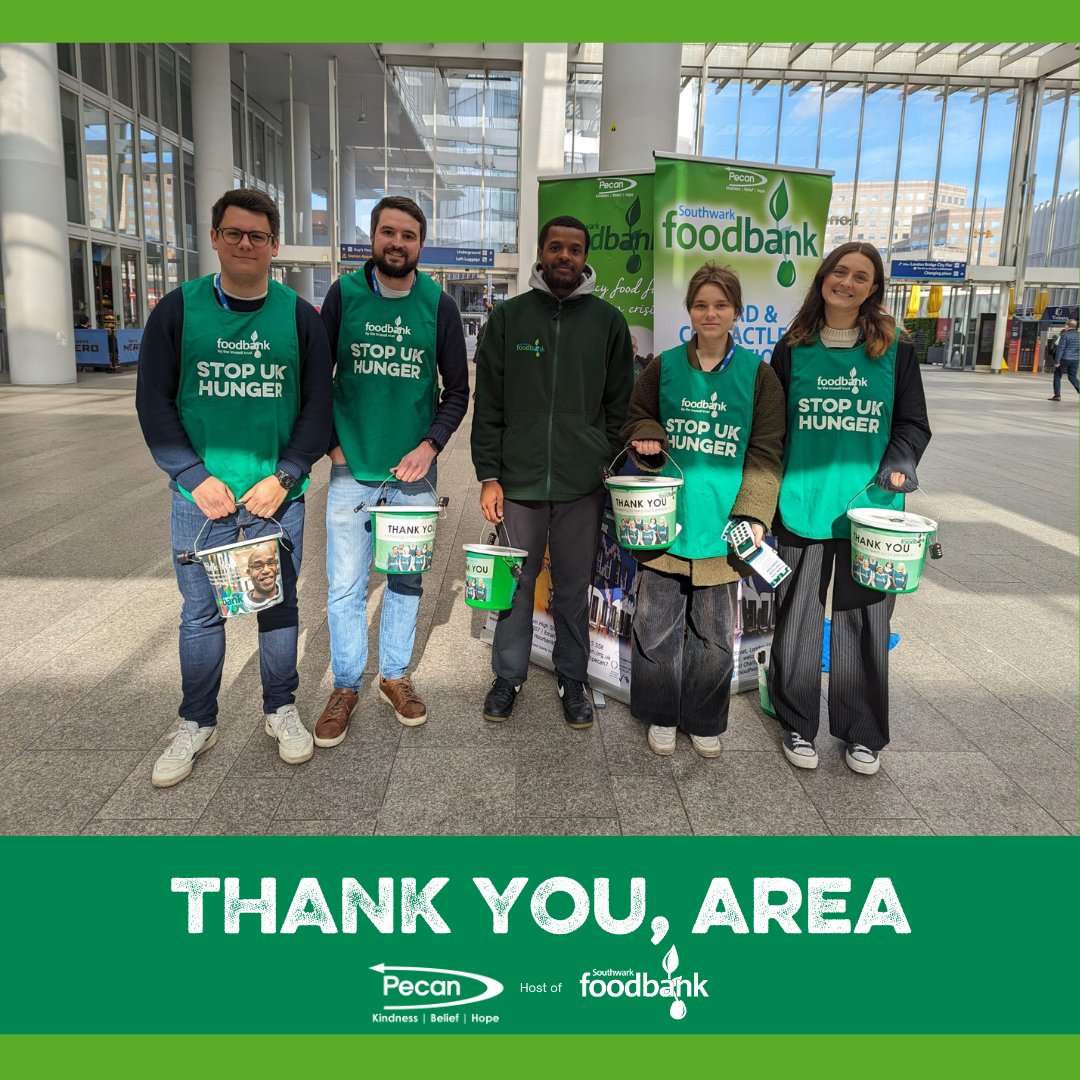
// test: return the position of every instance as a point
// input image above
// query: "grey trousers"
(569, 529)
(681, 660)
(859, 645)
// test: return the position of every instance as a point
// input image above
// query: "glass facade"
(127, 173)
(923, 166)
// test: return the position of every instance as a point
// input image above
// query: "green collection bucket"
(245, 575)
(404, 535)
(645, 509)
(492, 573)
(889, 548)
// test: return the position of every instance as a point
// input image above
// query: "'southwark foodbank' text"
(767, 905)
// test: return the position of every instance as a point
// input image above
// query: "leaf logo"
(713, 398)
(778, 204)
(397, 321)
(633, 215)
(854, 381)
(254, 335)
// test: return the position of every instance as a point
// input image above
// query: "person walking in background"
(394, 334)
(842, 358)
(553, 376)
(687, 596)
(234, 400)
(1067, 359)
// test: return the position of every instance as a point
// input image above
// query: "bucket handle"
(606, 472)
(935, 546)
(441, 502)
(186, 558)
(513, 566)
(493, 537)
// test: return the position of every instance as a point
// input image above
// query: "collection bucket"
(245, 576)
(762, 657)
(404, 538)
(889, 548)
(645, 508)
(491, 575)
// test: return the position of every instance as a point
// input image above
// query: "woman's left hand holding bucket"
(264, 498)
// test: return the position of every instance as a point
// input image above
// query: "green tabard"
(839, 420)
(707, 416)
(387, 382)
(239, 393)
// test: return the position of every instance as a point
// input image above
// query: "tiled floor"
(984, 711)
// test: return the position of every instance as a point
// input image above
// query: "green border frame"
(885, 1056)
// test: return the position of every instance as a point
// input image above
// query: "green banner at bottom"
(494, 936)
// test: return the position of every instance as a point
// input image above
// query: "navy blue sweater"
(450, 356)
(159, 382)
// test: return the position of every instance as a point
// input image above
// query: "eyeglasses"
(269, 564)
(232, 237)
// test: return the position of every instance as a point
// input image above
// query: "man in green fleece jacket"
(553, 378)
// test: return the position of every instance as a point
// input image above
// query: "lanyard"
(730, 353)
(375, 282)
(223, 300)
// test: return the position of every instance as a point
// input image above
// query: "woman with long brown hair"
(857, 428)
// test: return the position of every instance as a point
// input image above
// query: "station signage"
(927, 270)
(429, 256)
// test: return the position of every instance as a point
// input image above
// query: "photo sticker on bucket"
(245, 576)
(404, 538)
(888, 548)
(645, 509)
(491, 575)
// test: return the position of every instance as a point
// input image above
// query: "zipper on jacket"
(554, 375)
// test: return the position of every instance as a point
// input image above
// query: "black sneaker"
(576, 706)
(499, 703)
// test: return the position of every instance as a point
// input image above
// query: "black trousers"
(681, 658)
(859, 647)
(569, 529)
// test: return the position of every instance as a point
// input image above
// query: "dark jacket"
(761, 466)
(910, 431)
(553, 378)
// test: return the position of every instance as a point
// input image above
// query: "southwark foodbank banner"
(467, 935)
(767, 222)
(617, 210)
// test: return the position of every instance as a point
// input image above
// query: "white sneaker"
(706, 745)
(662, 740)
(294, 741)
(188, 743)
(862, 759)
(799, 751)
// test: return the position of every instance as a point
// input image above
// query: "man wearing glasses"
(235, 401)
(395, 336)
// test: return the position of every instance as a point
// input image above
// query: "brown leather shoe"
(332, 727)
(410, 710)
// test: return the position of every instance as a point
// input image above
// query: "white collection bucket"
(645, 509)
(889, 548)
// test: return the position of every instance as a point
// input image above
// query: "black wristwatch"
(433, 444)
(286, 480)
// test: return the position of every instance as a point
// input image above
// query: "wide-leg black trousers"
(859, 647)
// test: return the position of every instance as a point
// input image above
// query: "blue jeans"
(202, 627)
(349, 554)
